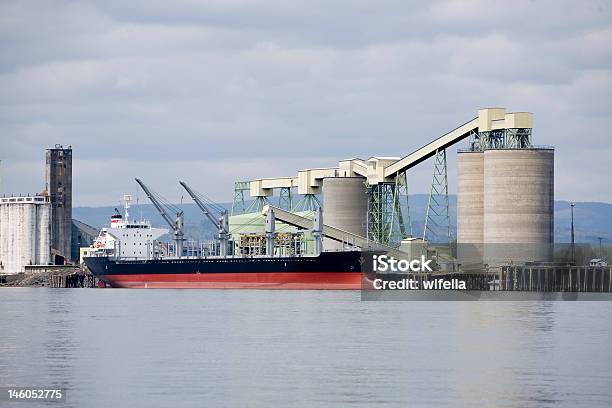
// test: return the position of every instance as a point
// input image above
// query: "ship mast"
(127, 199)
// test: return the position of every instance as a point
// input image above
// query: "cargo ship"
(329, 270)
(127, 255)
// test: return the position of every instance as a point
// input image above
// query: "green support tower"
(437, 220)
(386, 221)
(238, 206)
(285, 199)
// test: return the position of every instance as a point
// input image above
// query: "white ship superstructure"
(128, 239)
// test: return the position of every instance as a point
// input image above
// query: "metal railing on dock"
(537, 278)
(556, 278)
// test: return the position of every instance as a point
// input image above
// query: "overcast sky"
(217, 91)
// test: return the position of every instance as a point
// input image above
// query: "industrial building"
(39, 229)
(504, 211)
(59, 188)
(83, 235)
(505, 195)
(24, 232)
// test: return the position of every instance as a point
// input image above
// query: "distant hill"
(592, 220)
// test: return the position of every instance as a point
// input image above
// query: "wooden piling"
(76, 280)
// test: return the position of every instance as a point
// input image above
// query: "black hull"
(330, 270)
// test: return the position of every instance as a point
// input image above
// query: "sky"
(215, 91)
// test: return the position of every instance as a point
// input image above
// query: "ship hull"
(270, 280)
(329, 271)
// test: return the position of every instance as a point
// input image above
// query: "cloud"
(244, 89)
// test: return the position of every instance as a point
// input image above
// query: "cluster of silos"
(505, 206)
(345, 207)
(24, 233)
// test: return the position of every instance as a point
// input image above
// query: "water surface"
(233, 348)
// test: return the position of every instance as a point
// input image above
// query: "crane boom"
(157, 205)
(176, 224)
(222, 224)
(200, 204)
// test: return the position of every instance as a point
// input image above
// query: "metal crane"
(176, 224)
(221, 223)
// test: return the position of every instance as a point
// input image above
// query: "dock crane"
(221, 223)
(176, 224)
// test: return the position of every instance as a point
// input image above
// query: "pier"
(540, 278)
(53, 276)
(556, 279)
(76, 280)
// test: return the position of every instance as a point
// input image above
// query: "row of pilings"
(547, 278)
(76, 280)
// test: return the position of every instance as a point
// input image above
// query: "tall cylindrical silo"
(44, 235)
(3, 236)
(37, 234)
(345, 206)
(4, 244)
(470, 209)
(518, 205)
(28, 234)
(15, 237)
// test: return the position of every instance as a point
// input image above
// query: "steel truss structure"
(285, 199)
(257, 204)
(437, 220)
(500, 139)
(238, 206)
(386, 220)
(308, 202)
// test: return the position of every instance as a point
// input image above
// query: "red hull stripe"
(272, 280)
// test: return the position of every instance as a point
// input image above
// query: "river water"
(232, 348)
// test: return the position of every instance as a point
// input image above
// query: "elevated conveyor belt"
(430, 149)
(379, 170)
(331, 232)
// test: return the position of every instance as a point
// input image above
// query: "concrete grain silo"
(27, 237)
(518, 205)
(470, 208)
(43, 234)
(345, 206)
(24, 232)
